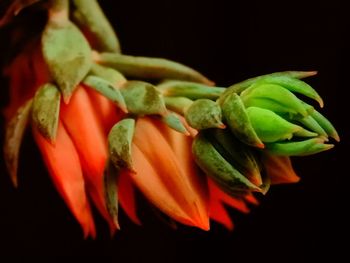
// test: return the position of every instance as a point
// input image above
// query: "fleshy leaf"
(237, 119)
(204, 114)
(67, 54)
(150, 68)
(143, 98)
(300, 148)
(119, 142)
(238, 154)
(107, 89)
(111, 75)
(15, 130)
(191, 90)
(177, 104)
(269, 126)
(45, 111)
(326, 125)
(215, 166)
(276, 94)
(89, 14)
(174, 122)
(110, 180)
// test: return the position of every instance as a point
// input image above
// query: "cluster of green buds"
(248, 120)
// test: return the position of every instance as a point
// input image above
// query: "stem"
(59, 12)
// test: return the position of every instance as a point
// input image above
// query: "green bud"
(191, 90)
(174, 122)
(277, 95)
(111, 75)
(110, 179)
(150, 68)
(45, 110)
(220, 170)
(310, 123)
(294, 85)
(326, 125)
(106, 89)
(300, 148)
(177, 104)
(119, 143)
(89, 14)
(241, 86)
(237, 153)
(67, 55)
(14, 133)
(204, 114)
(143, 98)
(238, 120)
(269, 126)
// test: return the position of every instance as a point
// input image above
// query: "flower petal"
(64, 166)
(279, 169)
(89, 138)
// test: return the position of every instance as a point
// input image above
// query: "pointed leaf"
(46, 109)
(204, 114)
(109, 74)
(15, 130)
(143, 98)
(237, 119)
(110, 180)
(119, 142)
(106, 89)
(91, 16)
(150, 68)
(67, 54)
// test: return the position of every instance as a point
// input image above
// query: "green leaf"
(174, 122)
(275, 94)
(67, 54)
(14, 133)
(215, 166)
(269, 126)
(106, 89)
(191, 90)
(45, 111)
(143, 98)
(150, 68)
(90, 15)
(110, 179)
(109, 74)
(119, 143)
(238, 121)
(300, 148)
(204, 114)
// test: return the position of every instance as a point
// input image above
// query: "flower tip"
(320, 101)
(66, 98)
(221, 126)
(311, 73)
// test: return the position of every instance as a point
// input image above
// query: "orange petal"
(151, 183)
(217, 193)
(251, 199)
(106, 111)
(219, 214)
(279, 169)
(64, 166)
(176, 179)
(181, 145)
(126, 196)
(90, 141)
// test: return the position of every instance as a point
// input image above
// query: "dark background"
(227, 41)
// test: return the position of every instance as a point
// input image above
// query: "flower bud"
(204, 114)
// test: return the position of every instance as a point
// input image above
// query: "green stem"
(59, 12)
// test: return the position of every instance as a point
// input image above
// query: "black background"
(227, 41)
